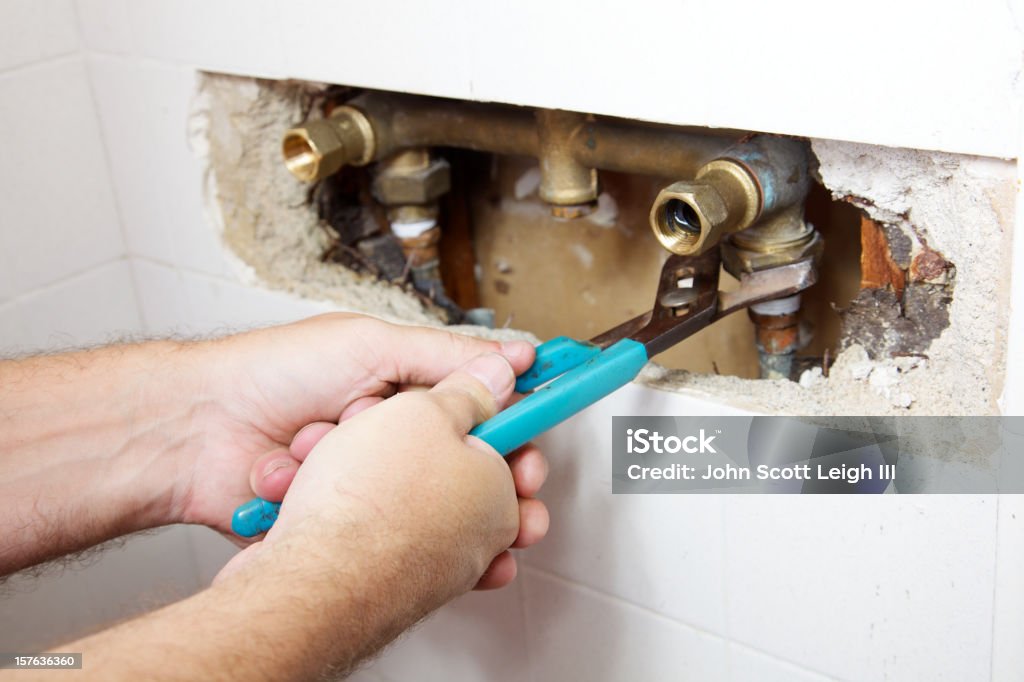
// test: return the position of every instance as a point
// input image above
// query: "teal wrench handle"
(554, 358)
(571, 375)
(572, 392)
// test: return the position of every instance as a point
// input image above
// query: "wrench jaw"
(766, 285)
(688, 299)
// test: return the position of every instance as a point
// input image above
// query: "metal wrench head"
(688, 299)
(765, 285)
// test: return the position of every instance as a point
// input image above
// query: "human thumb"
(477, 390)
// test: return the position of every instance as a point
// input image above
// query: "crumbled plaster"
(959, 206)
(262, 211)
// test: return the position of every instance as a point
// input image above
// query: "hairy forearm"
(295, 612)
(86, 445)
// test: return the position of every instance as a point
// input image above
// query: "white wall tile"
(143, 108)
(480, 636)
(487, 52)
(177, 302)
(96, 307)
(747, 665)
(577, 634)
(212, 550)
(105, 25)
(236, 36)
(387, 47)
(7, 288)
(12, 330)
(163, 302)
(148, 571)
(31, 30)
(865, 588)
(519, 54)
(1008, 654)
(57, 211)
(664, 552)
(366, 675)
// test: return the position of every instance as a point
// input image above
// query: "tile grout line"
(222, 279)
(65, 279)
(42, 62)
(86, 54)
(524, 604)
(615, 599)
(551, 575)
(995, 600)
(727, 621)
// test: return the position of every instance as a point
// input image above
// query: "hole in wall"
(268, 222)
(503, 250)
(839, 277)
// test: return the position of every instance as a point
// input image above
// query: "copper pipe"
(402, 121)
(647, 149)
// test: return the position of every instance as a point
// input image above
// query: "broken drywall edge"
(957, 204)
(262, 212)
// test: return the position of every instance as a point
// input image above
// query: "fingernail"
(274, 466)
(514, 349)
(300, 431)
(493, 371)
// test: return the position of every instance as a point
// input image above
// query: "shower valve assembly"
(736, 193)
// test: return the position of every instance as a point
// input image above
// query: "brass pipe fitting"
(567, 185)
(689, 218)
(781, 239)
(411, 176)
(750, 182)
(409, 184)
(319, 148)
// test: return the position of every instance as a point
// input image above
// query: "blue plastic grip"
(254, 517)
(554, 358)
(570, 393)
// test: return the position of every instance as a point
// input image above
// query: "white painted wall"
(701, 588)
(913, 73)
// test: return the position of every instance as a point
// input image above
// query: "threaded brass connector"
(319, 148)
(689, 218)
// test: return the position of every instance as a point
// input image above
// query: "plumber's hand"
(403, 479)
(274, 393)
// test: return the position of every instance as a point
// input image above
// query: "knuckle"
(422, 408)
(458, 401)
(364, 326)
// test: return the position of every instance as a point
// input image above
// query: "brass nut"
(320, 148)
(737, 260)
(738, 188)
(312, 151)
(688, 217)
(397, 186)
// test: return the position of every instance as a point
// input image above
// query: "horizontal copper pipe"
(401, 121)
